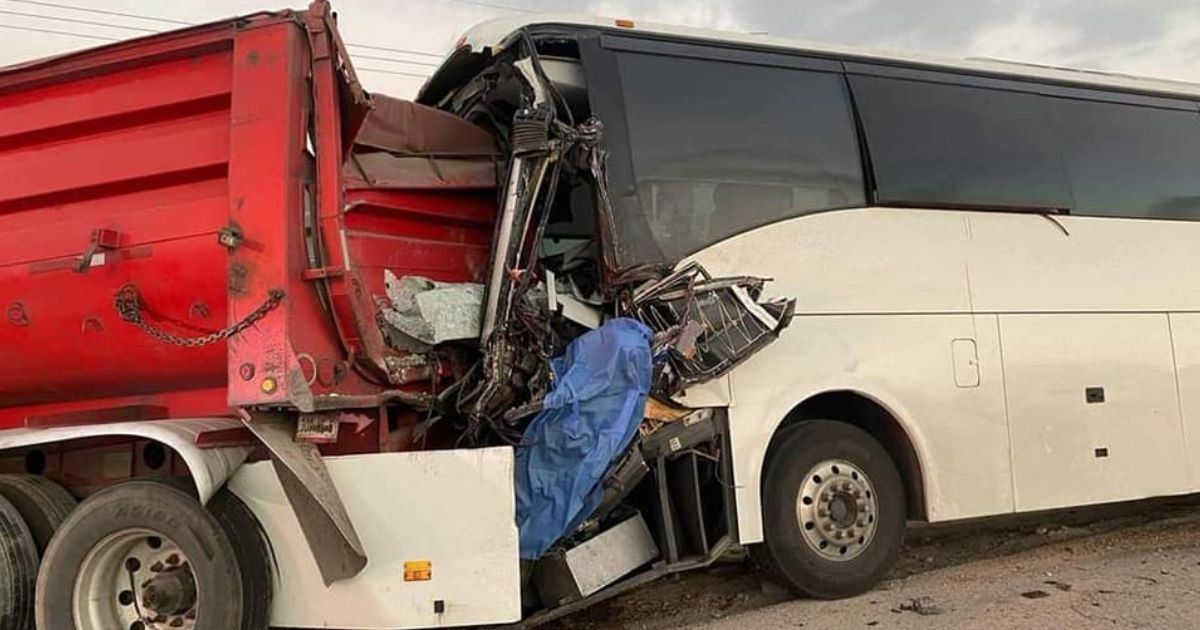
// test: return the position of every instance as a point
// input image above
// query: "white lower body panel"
(455, 509)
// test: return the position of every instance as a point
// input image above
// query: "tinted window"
(719, 148)
(946, 145)
(1131, 161)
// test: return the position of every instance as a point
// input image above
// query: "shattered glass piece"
(433, 312)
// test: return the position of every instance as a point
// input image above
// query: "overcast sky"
(1149, 37)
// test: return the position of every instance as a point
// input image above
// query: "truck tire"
(140, 554)
(43, 504)
(18, 569)
(255, 559)
(833, 510)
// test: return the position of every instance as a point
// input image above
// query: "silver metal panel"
(611, 555)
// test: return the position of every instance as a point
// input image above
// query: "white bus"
(993, 264)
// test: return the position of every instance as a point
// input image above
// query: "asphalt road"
(1130, 566)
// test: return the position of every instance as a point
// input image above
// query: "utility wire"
(136, 16)
(397, 50)
(102, 12)
(33, 29)
(396, 72)
(77, 21)
(394, 60)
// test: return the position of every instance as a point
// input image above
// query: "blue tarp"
(589, 418)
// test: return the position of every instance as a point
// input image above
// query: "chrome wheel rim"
(135, 579)
(837, 509)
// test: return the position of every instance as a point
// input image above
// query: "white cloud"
(1026, 38)
(1174, 55)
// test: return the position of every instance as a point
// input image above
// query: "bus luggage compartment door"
(438, 527)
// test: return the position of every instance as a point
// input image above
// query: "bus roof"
(498, 33)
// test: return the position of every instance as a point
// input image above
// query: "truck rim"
(836, 509)
(136, 579)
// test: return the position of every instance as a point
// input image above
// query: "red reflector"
(625, 23)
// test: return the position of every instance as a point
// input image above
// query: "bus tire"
(43, 504)
(254, 555)
(18, 569)
(140, 553)
(833, 510)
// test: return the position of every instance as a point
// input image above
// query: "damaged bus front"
(603, 351)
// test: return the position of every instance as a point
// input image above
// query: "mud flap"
(322, 516)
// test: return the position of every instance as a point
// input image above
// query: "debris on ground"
(923, 606)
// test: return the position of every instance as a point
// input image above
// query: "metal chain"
(129, 307)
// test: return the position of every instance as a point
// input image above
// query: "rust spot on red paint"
(239, 277)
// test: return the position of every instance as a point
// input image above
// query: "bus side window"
(723, 147)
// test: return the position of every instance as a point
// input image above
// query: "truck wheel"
(140, 555)
(254, 556)
(833, 510)
(18, 569)
(43, 504)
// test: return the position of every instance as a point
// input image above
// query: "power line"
(396, 72)
(397, 50)
(33, 29)
(179, 22)
(102, 12)
(393, 60)
(490, 5)
(76, 21)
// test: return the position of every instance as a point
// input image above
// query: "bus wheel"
(18, 568)
(140, 555)
(833, 510)
(43, 504)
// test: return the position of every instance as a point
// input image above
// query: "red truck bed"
(183, 180)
